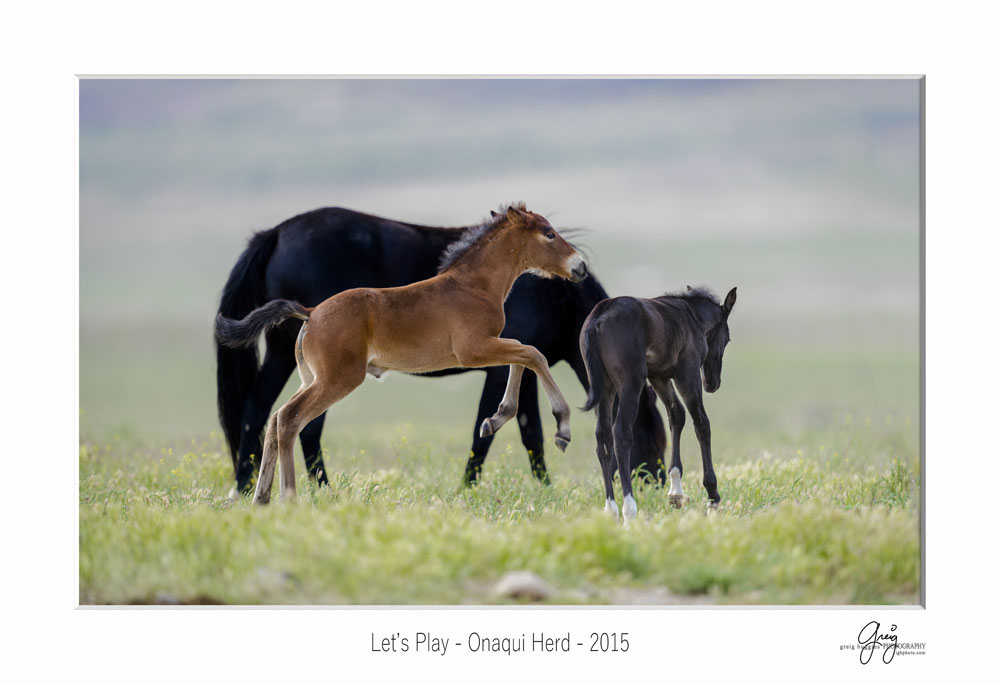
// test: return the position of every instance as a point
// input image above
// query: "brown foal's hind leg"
(310, 403)
(262, 494)
(305, 405)
(508, 405)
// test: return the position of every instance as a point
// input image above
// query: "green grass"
(394, 527)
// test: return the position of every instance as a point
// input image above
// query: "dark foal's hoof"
(486, 429)
(562, 443)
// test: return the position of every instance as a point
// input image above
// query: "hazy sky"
(670, 156)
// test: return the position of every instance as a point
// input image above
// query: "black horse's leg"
(676, 418)
(650, 440)
(628, 409)
(274, 371)
(689, 387)
(606, 453)
(312, 452)
(530, 423)
(493, 391)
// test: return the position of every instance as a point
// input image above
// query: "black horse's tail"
(237, 368)
(244, 333)
(593, 363)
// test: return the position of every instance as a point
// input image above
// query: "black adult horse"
(315, 255)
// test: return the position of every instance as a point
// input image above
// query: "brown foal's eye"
(551, 236)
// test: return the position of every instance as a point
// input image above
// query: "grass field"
(823, 512)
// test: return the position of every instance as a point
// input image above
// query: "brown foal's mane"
(461, 246)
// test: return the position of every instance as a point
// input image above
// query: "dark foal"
(627, 340)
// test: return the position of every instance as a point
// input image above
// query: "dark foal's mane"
(461, 246)
(702, 299)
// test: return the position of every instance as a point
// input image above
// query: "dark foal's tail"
(244, 333)
(237, 369)
(594, 365)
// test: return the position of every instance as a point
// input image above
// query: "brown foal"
(451, 320)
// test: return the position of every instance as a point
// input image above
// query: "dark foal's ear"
(727, 305)
(690, 289)
(493, 214)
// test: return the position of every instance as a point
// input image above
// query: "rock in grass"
(523, 585)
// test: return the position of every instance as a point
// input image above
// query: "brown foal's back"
(451, 320)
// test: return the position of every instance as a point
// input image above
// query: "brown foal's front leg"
(508, 405)
(498, 351)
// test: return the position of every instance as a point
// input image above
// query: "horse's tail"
(237, 368)
(593, 363)
(244, 333)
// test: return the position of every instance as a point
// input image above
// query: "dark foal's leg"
(312, 452)
(606, 453)
(689, 387)
(279, 362)
(628, 409)
(530, 422)
(493, 389)
(676, 417)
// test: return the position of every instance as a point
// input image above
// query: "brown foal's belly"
(411, 359)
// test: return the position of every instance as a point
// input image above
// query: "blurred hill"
(804, 193)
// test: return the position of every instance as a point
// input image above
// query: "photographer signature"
(870, 639)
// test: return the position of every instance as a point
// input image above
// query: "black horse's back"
(326, 251)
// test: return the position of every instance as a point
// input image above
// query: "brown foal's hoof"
(562, 443)
(486, 429)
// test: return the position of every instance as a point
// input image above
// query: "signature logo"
(872, 637)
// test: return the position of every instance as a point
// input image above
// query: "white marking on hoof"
(629, 509)
(233, 495)
(611, 508)
(713, 506)
(676, 493)
(675, 482)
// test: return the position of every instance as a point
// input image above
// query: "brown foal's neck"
(493, 263)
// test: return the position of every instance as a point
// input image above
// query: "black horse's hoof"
(562, 443)
(486, 429)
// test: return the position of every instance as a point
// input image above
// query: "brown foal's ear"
(515, 215)
(727, 305)
(493, 214)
